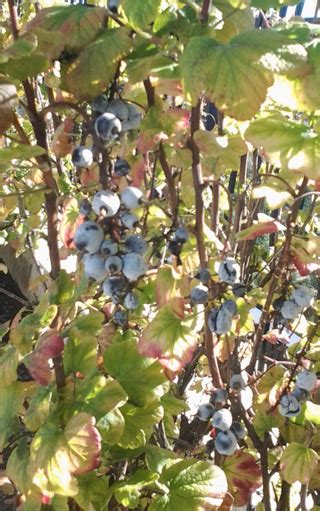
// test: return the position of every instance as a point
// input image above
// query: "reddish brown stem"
(39, 128)
(205, 11)
(13, 19)
(215, 206)
(173, 197)
(198, 184)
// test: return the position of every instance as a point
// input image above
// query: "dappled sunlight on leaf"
(243, 475)
(170, 336)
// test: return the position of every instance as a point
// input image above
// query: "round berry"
(133, 266)
(121, 167)
(82, 156)
(289, 406)
(108, 127)
(131, 301)
(205, 412)
(131, 197)
(109, 247)
(106, 203)
(199, 294)
(229, 271)
(88, 237)
(238, 382)
(226, 443)
(222, 419)
(136, 243)
(113, 264)
(94, 267)
(306, 380)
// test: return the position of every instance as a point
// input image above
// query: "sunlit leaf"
(306, 88)
(128, 493)
(287, 144)
(266, 4)
(140, 13)
(18, 467)
(311, 412)
(111, 426)
(274, 197)
(93, 492)
(24, 67)
(157, 458)
(264, 419)
(101, 394)
(11, 399)
(9, 361)
(139, 423)
(259, 229)
(38, 409)
(240, 98)
(77, 24)
(297, 463)
(201, 484)
(141, 377)
(58, 455)
(19, 152)
(243, 475)
(170, 336)
(80, 352)
(86, 80)
(48, 346)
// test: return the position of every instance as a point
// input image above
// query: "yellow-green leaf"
(170, 336)
(11, 400)
(96, 66)
(56, 456)
(9, 361)
(141, 13)
(297, 463)
(78, 25)
(230, 74)
(288, 144)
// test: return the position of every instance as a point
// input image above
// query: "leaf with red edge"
(273, 336)
(61, 140)
(170, 336)
(49, 345)
(303, 262)
(243, 475)
(69, 222)
(138, 170)
(56, 456)
(167, 284)
(268, 225)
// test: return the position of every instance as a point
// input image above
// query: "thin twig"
(57, 105)
(13, 296)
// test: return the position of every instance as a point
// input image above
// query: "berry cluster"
(300, 298)
(289, 405)
(219, 318)
(226, 432)
(112, 256)
(113, 119)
